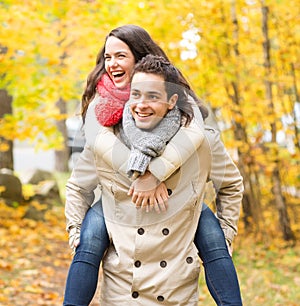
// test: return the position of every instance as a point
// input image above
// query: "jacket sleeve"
(186, 141)
(80, 188)
(228, 184)
(178, 150)
(83, 180)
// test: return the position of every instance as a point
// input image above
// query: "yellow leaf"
(4, 146)
(33, 289)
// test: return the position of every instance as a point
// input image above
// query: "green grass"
(269, 276)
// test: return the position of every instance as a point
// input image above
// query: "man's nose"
(142, 101)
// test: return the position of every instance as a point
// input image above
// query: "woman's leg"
(220, 273)
(83, 273)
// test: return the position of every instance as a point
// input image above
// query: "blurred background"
(242, 58)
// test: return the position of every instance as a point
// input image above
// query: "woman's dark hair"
(141, 44)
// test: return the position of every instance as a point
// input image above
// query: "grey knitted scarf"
(146, 144)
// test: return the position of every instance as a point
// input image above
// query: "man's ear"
(173, 101)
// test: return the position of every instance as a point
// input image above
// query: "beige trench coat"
(152, 259)
(80, 196)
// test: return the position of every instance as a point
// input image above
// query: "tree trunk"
(250, 202)
(297, 99)
(251, 199)
(6, 156)
(62, 156)
(284, 220)
(280, 203)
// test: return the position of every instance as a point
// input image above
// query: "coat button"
(165, 231)
(141, 231)
(135, 294)
(163, 263)
(137, 264)
(189, 260)
(160, 298)
(169, 191)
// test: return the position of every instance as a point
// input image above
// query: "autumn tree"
(220, 46)
(228, 71)
(276, 180)
(6, 145)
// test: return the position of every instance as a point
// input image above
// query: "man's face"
(148, 100)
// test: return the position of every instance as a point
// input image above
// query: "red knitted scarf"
(109, 109)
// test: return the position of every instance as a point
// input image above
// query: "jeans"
(82, 278)
(220, 274)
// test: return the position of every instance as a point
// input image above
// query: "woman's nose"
(112, 62)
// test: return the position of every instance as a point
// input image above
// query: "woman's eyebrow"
(116, 52)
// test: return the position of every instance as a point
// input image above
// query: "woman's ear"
(173, 101)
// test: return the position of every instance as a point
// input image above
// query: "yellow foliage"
(51, 46)
(39, 206)
(2, 189)
(4, 146)
(27, 191)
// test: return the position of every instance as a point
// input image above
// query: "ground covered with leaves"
(34, 260)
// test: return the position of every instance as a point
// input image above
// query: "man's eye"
(153, 97)
(135, 95)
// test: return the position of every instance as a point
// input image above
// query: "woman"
(209, 237)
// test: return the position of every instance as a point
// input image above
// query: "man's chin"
(146, 125)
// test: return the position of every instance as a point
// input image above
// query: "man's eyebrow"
(154, 92)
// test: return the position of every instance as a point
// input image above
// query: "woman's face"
(119, 61)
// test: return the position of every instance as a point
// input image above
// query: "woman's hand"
(229, 247)
(161, 196)
(148, 192)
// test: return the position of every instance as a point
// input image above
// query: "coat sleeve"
(186, 141)
(83, 180)
(80, 188)
(228, 184)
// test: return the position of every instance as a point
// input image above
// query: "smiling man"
(149, 101)
(155, 90)
(157, 107)
(134, 268)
